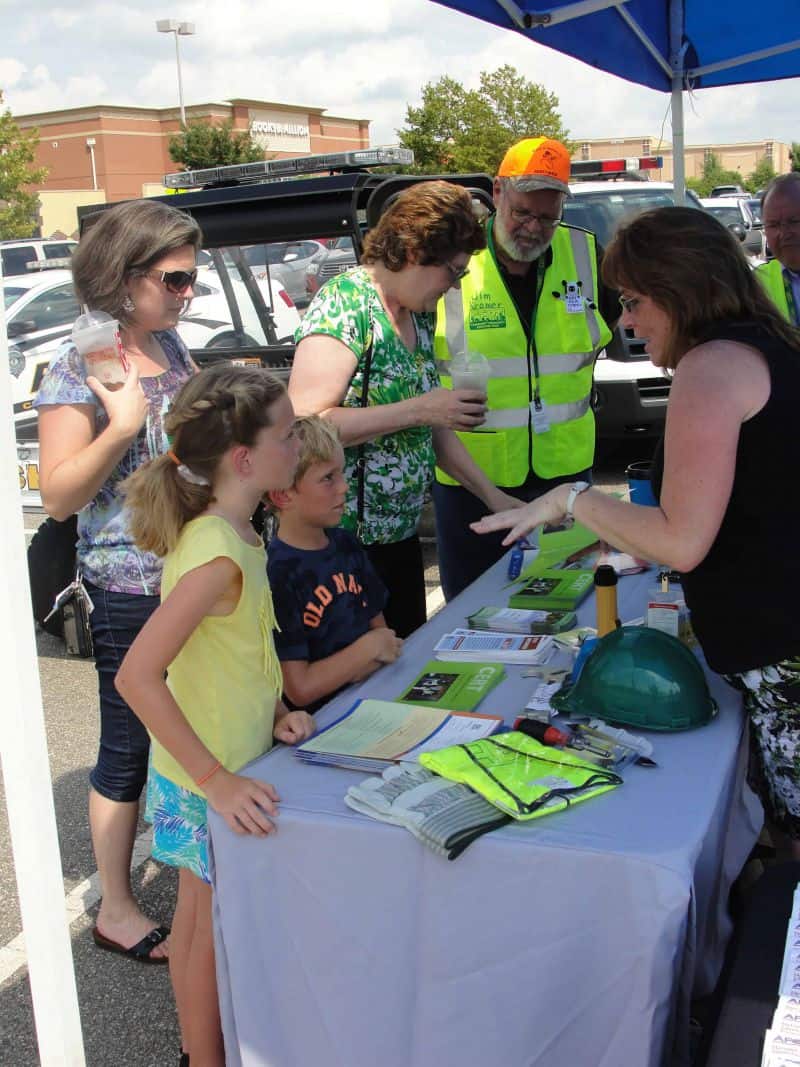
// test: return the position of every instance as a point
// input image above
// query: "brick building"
(108, 153)
(743, 156)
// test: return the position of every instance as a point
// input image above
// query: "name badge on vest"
(573, 300)
(540, 420)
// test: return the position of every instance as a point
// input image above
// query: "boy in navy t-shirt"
(328, 599)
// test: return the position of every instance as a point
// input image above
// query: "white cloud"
(352, 58)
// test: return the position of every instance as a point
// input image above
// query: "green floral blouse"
(399, 466)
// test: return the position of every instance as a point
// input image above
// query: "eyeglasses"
(525, 218)
(175, 281)
(629, 303)
(783, 224)
(456, 273)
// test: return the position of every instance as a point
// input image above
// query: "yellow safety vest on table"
(567, 332)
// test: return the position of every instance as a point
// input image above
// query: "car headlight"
(313, 268)
(16, 361)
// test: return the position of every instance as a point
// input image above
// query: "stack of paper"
(782, 1040)
(445, 816)
(373, 734)
(491, 646)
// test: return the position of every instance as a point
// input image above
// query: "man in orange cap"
(533, 305)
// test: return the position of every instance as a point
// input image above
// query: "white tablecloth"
(575, 940)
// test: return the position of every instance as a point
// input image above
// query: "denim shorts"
(121, 769)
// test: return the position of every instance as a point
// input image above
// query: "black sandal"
(141, 950)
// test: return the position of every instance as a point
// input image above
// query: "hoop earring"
(128, 305)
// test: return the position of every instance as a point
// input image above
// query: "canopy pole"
(676, 58)
(26, 775)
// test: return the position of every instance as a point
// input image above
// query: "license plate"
(28, 472)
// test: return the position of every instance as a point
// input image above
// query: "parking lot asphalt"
(126, 1008)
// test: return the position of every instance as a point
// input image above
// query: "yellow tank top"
(227, 677)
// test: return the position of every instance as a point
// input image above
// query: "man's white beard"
(521, 253)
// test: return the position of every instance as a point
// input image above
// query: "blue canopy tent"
(670, 45)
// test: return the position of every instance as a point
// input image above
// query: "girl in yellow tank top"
(232, 434)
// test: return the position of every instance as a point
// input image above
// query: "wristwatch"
(575, 491)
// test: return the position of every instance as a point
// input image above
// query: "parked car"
(40, 309)
(16, 255)
(728, 190)
(733, 212)
(630, 393)
(287, 261)
(336, 258)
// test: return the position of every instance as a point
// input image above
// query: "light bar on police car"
(273, 169)
(603, 168)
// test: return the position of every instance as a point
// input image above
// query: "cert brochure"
(376, 733)
(489, 646)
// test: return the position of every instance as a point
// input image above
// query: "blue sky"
(365, 60)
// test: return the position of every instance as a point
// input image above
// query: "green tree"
(19, 208)
(713, 174)
(794, 155)
(459, 130)
(761, 176)
(205, 144)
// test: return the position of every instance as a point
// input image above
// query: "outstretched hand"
(521, 520)
(244, 803)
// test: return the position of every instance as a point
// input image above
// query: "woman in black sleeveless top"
(725, 473)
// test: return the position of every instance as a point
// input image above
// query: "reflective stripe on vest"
(482, 317)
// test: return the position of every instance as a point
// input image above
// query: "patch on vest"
(485, 313)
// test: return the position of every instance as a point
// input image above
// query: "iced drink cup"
(470, 370)
(96, 336)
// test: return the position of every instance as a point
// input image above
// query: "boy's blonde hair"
(319, 440)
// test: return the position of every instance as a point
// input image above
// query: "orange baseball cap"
(541, 161)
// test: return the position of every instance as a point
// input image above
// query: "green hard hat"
(640, 677)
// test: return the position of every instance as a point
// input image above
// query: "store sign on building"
(279, 130)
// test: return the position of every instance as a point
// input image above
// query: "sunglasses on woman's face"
(175, 281)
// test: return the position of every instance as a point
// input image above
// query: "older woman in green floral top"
(375, 322)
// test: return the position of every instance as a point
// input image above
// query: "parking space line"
(76, 903)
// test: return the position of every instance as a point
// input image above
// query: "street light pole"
(179, 29)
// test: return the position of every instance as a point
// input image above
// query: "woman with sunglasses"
(365, 360)
(137, 263)
(725, 474)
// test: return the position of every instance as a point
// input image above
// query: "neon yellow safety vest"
(520, 776)
(566, 337)
(771, 277)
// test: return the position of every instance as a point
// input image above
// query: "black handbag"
(51, 567)
(60, 602)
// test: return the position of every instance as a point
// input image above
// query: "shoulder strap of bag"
(361, 460)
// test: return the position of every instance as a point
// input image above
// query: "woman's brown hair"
(125, 241)
(220, 407)
(694, 269)
(428, 223)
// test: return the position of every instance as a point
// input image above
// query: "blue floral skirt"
(180, 827)
(772, 702)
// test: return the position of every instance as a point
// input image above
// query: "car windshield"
(755, 209)
(12, 293)
(602, 211)
(727, 214)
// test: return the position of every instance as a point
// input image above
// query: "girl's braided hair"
(218, 408)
